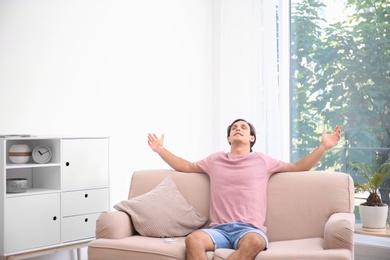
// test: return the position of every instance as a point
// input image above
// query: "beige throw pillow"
(162, 212)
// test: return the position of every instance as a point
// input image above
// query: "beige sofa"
(309, 216)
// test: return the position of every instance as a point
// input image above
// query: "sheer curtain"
(245, 72)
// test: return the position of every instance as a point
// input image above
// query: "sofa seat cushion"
(137, 247)
(309, 248)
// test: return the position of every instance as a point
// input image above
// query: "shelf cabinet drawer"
(78, 227)
(85, 202)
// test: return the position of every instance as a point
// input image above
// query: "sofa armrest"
(114, 225)
(339, 231)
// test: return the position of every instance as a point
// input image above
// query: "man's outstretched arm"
(177, 163)
(308, 162)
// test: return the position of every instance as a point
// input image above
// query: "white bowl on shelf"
(16, 185)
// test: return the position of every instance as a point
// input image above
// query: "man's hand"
(308, 162)
(155, 143)
(328, 141)
(174, 161)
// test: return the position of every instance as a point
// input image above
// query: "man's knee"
(191, 239)
(199, 239)
(253, 240)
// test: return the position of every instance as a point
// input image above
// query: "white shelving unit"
(63, 199)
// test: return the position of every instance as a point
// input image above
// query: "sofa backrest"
(298, 204)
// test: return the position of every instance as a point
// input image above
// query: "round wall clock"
(41, 154)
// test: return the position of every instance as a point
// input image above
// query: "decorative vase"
(373, 218)
(19, 153)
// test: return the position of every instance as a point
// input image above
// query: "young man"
(238, 181)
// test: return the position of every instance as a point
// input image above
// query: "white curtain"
(245, 71)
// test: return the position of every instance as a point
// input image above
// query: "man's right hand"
(155, 143)
(174, 161)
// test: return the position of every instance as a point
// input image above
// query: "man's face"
(240, 132)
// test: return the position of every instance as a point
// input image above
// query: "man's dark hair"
(252, 130)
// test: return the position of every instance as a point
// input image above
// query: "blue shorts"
(227, 235)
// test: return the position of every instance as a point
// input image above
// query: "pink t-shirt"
(238, 185)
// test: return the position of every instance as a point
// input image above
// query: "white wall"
(115, 68)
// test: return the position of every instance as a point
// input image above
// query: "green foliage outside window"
(340, 75)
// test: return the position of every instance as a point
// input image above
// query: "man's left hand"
(328, 141)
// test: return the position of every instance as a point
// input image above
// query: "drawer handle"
(67, 163)
(86, 220)
(54, 218)
(86, 195)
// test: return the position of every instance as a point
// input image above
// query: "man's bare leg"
(197, 244)
(248, 247)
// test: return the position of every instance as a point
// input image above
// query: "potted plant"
(373, 212)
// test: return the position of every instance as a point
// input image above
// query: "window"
(340, 75)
